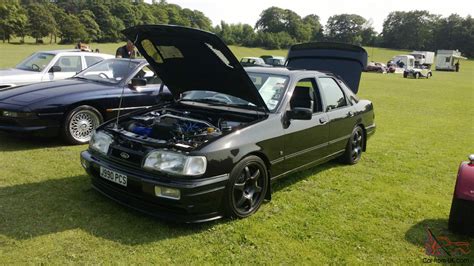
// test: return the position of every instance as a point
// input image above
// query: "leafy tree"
(271, 20)
(313, 22)
(409, 30)
(109, 24)
(72, 30)
(87, 19)
(13, 20)
(41, 22)
(346, 28)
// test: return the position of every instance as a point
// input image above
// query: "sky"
(248, 11)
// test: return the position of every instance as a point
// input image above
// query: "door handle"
(350, 113)
(323, 120)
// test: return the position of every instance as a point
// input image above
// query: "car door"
(340, 113)
(305, 141)
(69, 64)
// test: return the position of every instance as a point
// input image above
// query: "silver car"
(48, 66)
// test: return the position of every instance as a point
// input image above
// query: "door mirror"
(137, 82)
(300, 113)
(55, 69)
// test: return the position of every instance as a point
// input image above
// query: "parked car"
(252, 61)
(76, 106)
(376, 67)
(231, 131)
(461, 218)
(48, 66)
(417, 72)
(273, 60)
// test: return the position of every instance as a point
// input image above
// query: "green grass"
(373, 212)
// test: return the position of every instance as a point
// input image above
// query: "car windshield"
(36, 62)
(271, 89)
(110, 71)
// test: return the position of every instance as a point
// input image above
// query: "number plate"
(113, 176)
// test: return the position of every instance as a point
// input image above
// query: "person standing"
(126, 51)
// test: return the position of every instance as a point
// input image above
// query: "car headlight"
(175, 163)
(100, 141)
(16, 114)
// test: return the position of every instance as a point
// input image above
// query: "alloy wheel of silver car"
(82, 124)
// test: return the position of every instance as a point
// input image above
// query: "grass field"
(375, 212)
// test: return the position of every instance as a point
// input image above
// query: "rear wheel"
(354, 147)
(80, 123)
(405, 74)
(247, 187)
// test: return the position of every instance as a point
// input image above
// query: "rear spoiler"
(344, 60)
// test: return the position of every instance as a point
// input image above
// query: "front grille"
(7, 122)
(126, 156)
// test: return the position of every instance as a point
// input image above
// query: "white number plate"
(113, 176)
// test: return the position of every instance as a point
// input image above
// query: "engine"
(178, 128)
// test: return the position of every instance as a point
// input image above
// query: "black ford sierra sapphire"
(229, 132)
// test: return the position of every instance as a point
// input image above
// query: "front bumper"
(41, 124)
(200, 201)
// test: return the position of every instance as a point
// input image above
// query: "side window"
(69, 63)
(90, 60)
(332, 94)
(148, 74)
(306, 95)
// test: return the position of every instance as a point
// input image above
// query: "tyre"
(461, 217)
(247, 187)
(354, 147)
(405, 74)
(80, 123)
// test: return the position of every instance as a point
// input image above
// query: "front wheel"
(80, 123)
(354, 147)
(247, 187)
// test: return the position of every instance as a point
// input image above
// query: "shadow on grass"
(418, 235)
(54, 206)
(287, 181)
(19, 142)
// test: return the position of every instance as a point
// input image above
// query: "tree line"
(102, 21)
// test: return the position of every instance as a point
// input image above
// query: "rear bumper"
(200, 201)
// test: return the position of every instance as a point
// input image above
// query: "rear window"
(90, 60)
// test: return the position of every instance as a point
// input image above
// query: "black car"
(231, 131)
(74, 107)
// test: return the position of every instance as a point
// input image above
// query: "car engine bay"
(180, 129)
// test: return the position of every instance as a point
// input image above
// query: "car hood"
(24, 95)
(344, 60)
(189, 59)
(13, 73)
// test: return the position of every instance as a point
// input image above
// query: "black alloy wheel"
(354, 146)
(247, 187)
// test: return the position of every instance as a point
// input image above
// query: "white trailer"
(425, 58)
(447, 59)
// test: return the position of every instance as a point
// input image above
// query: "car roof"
(55, 52)
(285, 71)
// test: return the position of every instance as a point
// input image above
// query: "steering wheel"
(103, 75)
(35, 67)
(221, 97)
